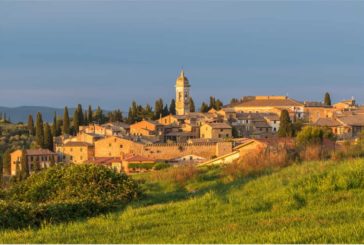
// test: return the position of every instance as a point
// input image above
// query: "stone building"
(182, 94)
(36, 159)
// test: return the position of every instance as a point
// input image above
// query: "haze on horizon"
(56, 53)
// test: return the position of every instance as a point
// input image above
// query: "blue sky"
(110, 52)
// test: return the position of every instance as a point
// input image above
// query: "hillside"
(314, 202)
(20, 114)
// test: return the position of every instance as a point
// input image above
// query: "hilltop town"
(214, 136)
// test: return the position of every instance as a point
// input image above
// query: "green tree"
(90, 114)
(48, 137)
(327, 99)
(212, 103)
(99, 116)
(204, 107)
(76, 121)
(312, 135)
(24, 170)
(6, 162)
(39, 130)
(165, 110)
(172, 107)
(31, 128)
(234, 101)
(218, 105)
(80, 115)
(85, 118)
(66, 122)
(158, 108)
(191, 104)
(54, 124)
(285, 127)
(1, 170)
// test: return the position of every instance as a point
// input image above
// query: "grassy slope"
(310, 203)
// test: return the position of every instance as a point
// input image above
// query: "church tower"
(182, 94)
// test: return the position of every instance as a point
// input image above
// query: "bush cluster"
(63, 193)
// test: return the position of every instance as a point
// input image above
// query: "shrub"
(141, 165)
(161, 165)
(63, 193)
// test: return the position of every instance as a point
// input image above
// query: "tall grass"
(310, 202)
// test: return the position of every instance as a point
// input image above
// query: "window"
(71, 149)
(121, 146)
(221, 130)
(110, 145)
(81, 149)
(81, 157)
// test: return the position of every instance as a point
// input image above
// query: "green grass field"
(314, 202)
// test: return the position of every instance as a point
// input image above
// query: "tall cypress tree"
(85, 118)
(6, 162)
(165, 110)
(192, 105)
(39, 130)
(66, 122)
(172, 107)
(218, 104)
(48, 138)
(204, 107)
(158, 108)
(90, 117)
(54, 125)
(212, 103)
(76, 121)
(285, 126)
(31, 128)
(80, 114)
(327, 99)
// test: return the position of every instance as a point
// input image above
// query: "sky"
(108, 53)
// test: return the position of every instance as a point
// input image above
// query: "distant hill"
(20, 114)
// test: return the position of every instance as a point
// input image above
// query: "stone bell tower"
(182, 94)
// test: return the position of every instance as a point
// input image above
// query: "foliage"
(327, 99)
(204, 107)
(66, 122)
(65, 192)
(285, 127)
(39, 130)
(161, 165)
(172, 107)
(311, 135)
(141, 165)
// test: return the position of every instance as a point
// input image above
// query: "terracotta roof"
(354, 120)
(220, 125)
(104, 160)
(328, 122)
(137, 158)
(76, 143)
(274, 102)
(315, 104)
(37, 152)
(261, 124)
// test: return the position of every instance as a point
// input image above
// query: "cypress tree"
(66, 122)
(31, 128)
(1, 170)
(285, 127)
(165, 110)
(76, 121)
(99, 115)
(48, 138)
(25, 171)
(172, 107)
(54, 125)
(327, 99)
(6, 163)
(192, 105)
(85, 118)
(212, 103)
(39, 130)
(158, 108)
(204, 107)
(90, 117)
(80, 114)
(218, 104)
